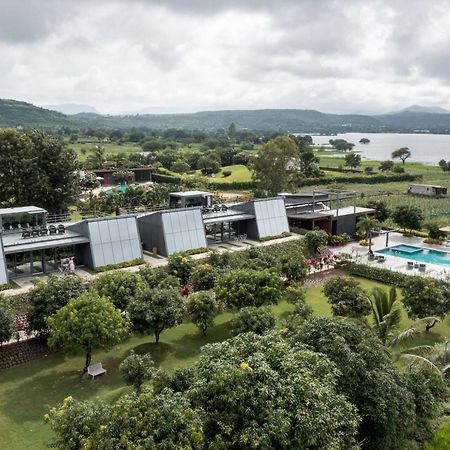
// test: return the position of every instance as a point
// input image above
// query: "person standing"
(71, 265)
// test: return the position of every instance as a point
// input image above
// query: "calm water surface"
(427, 148)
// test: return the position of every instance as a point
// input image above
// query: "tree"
(408, 216)
(7, 320)
(352, 160)
(293, 268)
(86, 323)
(46, 298)
(272, 164)
(232, 131)
(315, 239)
(434, 231)
(209, 164)
(386, 312)
(382, 211)
(89, 182)
(402, 153)
(37, 169)
(367, 377)
(155, 310)
(152, 145)
(73, 422)
(309, 163)
(203, 277)
(253, 319)
(180, 266)
(244, 287)
(137, 369)
(424, 297)
(258, 392)
(444, 165)
(367, 225)
(386, 166)
(180, 166)
(120, 287)
(158, 277)
(341, 144)
(202, 308)
(145, 421)
(346, 297)
(97, 160)
(122, 176)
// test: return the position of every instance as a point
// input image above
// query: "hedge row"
(376, 273)
(363, 179)
(161, 178)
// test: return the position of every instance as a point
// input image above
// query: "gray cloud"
(120, 55)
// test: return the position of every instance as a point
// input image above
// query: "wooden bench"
(95, 369)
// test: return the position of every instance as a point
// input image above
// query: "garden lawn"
(239, 174)
(28, 390)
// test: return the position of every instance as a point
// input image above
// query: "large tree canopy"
(258, 392)
(37, 169)
(273, 163)
(368, 378)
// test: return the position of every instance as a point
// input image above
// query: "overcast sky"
(190, 55)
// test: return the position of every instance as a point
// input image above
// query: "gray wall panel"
(3, 269)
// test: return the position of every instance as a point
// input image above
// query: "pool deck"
(395, 263)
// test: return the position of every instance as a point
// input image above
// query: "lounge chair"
(381, 259)
(26, 234)
(410, 265)
(61, 228)
(52, 229)
(422, 267)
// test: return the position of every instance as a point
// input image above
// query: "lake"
(427, 148)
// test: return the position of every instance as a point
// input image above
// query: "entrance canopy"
(14, 243)
(229, 215)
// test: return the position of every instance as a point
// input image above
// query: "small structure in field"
(429, 190)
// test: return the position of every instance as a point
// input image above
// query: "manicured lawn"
(27, 391)
(239, 173)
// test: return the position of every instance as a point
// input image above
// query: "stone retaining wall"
(12, 355)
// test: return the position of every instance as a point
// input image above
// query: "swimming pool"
(421, 254)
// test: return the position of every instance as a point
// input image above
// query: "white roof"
(21, 210)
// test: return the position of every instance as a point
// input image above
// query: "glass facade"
(183, 230)
(271, 217)
(114, 241)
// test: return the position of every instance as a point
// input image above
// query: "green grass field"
(84, 149)
(28, 390)
(239, 173)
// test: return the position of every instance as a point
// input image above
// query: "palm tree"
(366, 225)
(386, 312)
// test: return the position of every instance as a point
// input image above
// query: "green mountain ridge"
(21, 114)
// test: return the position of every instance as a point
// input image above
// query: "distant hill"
(71, 108)
(425, 109)
(26, 115)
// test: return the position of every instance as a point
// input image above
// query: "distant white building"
(429, 190)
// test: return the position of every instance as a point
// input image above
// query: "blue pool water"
(119, 187)
(413, 253)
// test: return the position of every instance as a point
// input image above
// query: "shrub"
(7, 320)
(293, 268)
(432, 241)
(253, 319)
(137, 369)
(346, 297)
(180, 266)
(226, 173)
(122, 265)
(433, 230)
(47, 298)
(195, 251)
(248, 288)
(315, 239)
(276, 236)
(364, 242)
(158, 277)
(376, 273)
(338, 239)
(203, 277)
(120, 287)
(202, 308)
